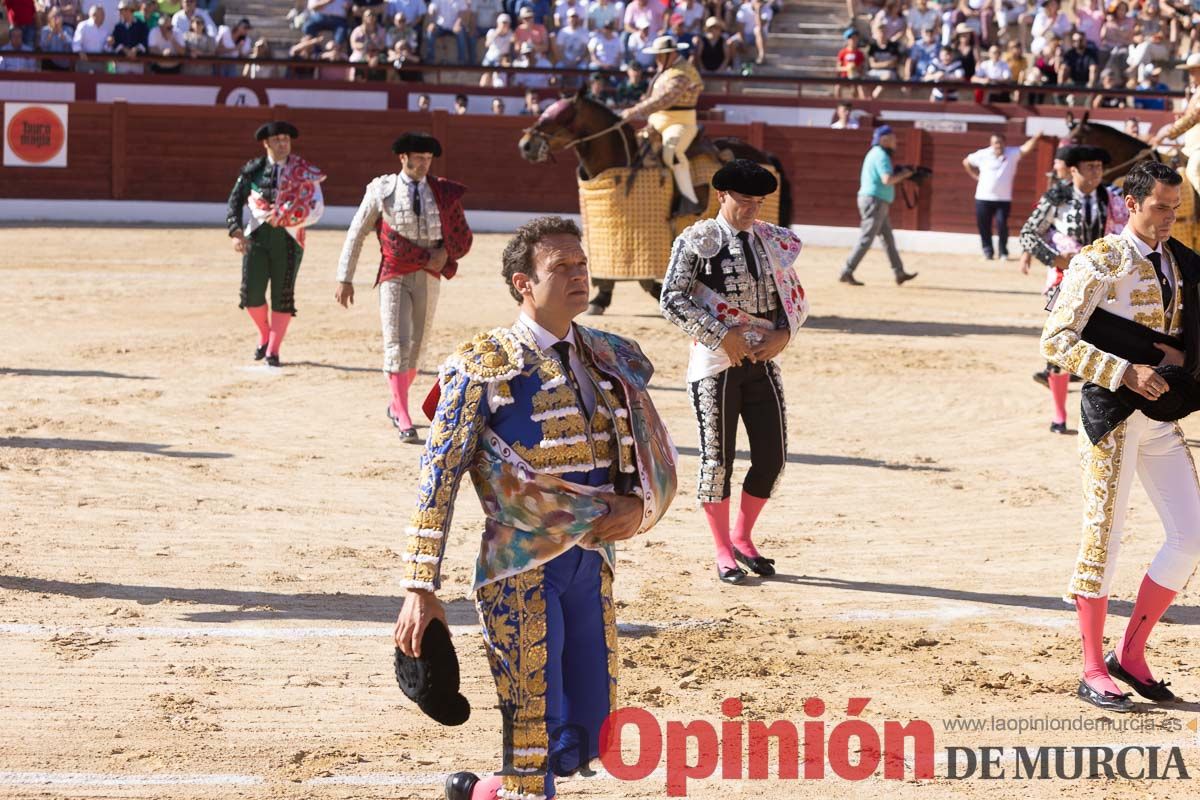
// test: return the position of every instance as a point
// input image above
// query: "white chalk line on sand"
(279, 632)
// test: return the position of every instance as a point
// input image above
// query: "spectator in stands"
(604, 47)
(413, 10)
(499, 41)
(1149, 50)
(966, 49)
(1014, 56)
(485, 15)
(307, 49)
(919, 18)
(1150, 80)
(128, 40)
(183, 19)
(164, 41)
(638, 43)
(630, 90)
(199, 44)
(261, 49)
(339, 59)
(993, 69)
(323, 15)
(1089, 20)
(1046, 66)
(994, 168)
(883, 60)
(533, 105)
(844, 118)
(542, 11)
(1133, 128)
(755, 18)
(571, 42)
(599, 89)
(948, 67)
(638, 12)
(22, 15)
(55, 39)
(450, 18)
(236, 42)
(360, 7)
(460, 104)
(424, 104)
(71, 11)
(1150, 19)
(563, 7)
(401, 31)
(368, 45)
(16, 44)
(149, 14)
(923, 53)
(91, 38)
(1109, 80)
(852, 62)
(1051, 19)
(529, 31)
(402, 56)
(694, 14)
(602, 12)
(711, 52)
(1116, 37)
(892, 21)
(1079, 66)
(498, 106)
(530, 58)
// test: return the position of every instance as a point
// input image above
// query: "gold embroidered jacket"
(1110, 272)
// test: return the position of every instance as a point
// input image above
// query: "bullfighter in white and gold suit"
(1128, 291)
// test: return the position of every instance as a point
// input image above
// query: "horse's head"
(566, 122)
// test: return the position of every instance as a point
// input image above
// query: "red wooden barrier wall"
(192, 153)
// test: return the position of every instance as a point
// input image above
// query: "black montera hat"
(415, 142)
(745, 177)
(276, 128)
(1076, 154)
(431, 681)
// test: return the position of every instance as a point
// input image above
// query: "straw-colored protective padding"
(1185, 228)
(626, 225)
(628, 232)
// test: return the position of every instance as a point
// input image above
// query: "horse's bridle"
(546, 142)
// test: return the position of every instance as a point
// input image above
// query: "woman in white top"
(1051, 19)
(499, 41)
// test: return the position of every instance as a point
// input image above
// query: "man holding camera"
(876, 193)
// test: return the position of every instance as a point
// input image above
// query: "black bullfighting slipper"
(1042, 377)
(273, 361)
(1058, 427)
(1120, 703)
(260, 352)
(758, 565)
(733, 575)
(409, 436)
(1157, 691)
(460, 784)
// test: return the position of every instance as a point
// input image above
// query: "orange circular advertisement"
(35, 135)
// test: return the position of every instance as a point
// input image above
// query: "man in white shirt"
(994, 168)
(920, 17)
(605, 47)
(563, 8)
(601, 12)
(183, 19)
(571, 42)
(993, 69)
(10, 61)
(529, 58)
(693, 14)
(91, 38)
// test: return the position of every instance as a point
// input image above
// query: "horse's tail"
(785, 190)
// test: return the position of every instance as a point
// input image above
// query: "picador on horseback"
(670, 108)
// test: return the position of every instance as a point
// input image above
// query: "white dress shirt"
(546, 341)
(89, 38)
(1144, 250)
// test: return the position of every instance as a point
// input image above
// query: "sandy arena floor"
(198, 556)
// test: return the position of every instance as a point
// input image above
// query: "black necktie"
(1167, 292)
(748, 251)
(564, 355)
(1088, 215)
(416, 199)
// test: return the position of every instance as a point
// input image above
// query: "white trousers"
(406, 306)
(1157, 453)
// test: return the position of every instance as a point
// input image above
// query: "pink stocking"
(1059, 382)
(718, 523)
(279, 326)
(487, 787)
(1152, 602)
(748, 512)
(259, 315)
(398, 381)
(1092, 611)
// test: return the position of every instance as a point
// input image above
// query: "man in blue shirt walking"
(876, 192)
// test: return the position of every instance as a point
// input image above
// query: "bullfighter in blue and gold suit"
(556, 427)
